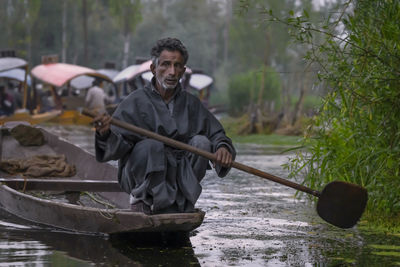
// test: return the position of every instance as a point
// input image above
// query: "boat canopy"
(16, 74)
(148, 75)
(8, 63)
(58, 74)
(84, 81)
(132, 71)
(200, 81)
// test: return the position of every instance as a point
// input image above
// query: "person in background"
(6, 102)
(14, 91)
(96, 98)
(159, 178)
(45, 98)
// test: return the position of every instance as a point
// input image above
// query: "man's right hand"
(102, 123)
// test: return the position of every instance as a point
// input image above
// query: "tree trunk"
(226, 30)
(260, 101)
(127, 41)
(299, 105)
(28, 33)
(214, 46)
(29, 43)
(64, 33)
(262, 88)
(85, 32)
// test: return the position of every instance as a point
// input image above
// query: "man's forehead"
(171, 55)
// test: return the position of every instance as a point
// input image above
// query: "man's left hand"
(223, 157)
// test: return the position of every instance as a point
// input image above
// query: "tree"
(355, 137)
(127, 15)
(270, 47)
(32, 8)
(248, 92)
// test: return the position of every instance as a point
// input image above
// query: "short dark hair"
(96, 82)
(170, 44)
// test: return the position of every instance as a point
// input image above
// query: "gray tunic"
(161, 176)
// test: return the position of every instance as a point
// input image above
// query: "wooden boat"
(200, 85)
(84, 82)
(59, 76)
(71, 117)
(104, 211)
(18, 75)
(16, 69)
(31, 119)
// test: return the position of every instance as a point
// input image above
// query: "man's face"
(169, 69)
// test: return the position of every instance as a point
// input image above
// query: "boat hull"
(92, 220)
(78, 218)
(68, 117)
(31, 119)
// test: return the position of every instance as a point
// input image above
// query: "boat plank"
(61, 185)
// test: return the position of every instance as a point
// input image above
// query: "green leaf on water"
(387, 253)
(343, 259)
(387, 247)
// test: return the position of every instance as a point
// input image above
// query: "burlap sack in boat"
(39, 166)
(27, 135)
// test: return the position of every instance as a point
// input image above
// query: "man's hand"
(223, 157)
(102, 123)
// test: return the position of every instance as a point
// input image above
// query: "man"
(95, 97)
(159, 178)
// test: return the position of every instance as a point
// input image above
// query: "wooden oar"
(339, 203)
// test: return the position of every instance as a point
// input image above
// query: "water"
(249, 221)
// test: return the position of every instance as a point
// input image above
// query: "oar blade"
(342, 204)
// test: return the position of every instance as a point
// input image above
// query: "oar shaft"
(180, 145)
(274, 178)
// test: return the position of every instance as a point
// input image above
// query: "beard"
(166, 86)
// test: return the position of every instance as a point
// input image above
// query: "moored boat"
(68, 99)
(65, 203)
(16, 69)
(31, 118)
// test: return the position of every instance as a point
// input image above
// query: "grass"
(231, 126)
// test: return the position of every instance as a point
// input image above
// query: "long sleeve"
(111, 147)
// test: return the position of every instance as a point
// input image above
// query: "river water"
(249, 221)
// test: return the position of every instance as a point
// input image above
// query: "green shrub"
(244, 89)
(357, 132)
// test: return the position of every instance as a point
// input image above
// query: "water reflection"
(32, 245)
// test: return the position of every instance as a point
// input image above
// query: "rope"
(98, 201)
